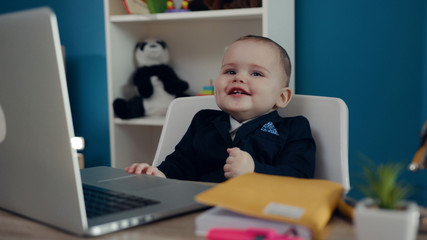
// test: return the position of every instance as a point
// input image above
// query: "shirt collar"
(234, 124)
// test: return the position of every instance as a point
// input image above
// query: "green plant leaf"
(382, 184)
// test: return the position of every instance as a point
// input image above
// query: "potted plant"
(384, 213)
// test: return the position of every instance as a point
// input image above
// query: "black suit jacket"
(279, 146)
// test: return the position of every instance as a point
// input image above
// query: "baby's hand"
(144, 168)
(238, 163)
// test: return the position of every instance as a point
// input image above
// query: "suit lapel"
(222, 124)
(251, 126)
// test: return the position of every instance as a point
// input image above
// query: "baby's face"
(251, 81)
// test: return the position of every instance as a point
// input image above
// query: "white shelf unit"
(196, 42)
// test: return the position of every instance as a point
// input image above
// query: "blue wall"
(424, 91)
(372, 54)
(369, 54)
(81, 27)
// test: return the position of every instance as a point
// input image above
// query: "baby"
(248, 135)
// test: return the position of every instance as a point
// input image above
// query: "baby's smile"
(237, 91)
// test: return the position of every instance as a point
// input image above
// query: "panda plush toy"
(156, 83)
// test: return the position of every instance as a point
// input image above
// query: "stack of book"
(292, 206)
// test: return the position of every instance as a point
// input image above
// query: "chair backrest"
(178, 118)
(328, 119)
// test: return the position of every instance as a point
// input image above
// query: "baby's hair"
(284, 57)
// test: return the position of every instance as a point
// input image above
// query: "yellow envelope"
(308, 202)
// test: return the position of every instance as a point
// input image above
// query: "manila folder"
(309, 202)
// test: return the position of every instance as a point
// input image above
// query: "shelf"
(144, 121)
(197, 40)
(245, 13)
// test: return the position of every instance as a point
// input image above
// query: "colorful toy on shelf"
(184, 4)
(156, 6)
(207, 90)
(170, 6)
(136, 7)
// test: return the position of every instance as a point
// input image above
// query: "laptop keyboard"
(100, 201)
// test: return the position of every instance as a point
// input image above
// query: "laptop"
(39, 173)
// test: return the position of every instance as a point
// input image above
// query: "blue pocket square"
(269, 127)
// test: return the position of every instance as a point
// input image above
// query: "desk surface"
(182, 227)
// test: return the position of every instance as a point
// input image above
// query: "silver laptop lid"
(39, 173)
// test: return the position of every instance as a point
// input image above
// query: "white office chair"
(328, 119)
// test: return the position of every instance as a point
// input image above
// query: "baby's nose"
(238, 78)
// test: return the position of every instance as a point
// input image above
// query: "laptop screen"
(39, 173)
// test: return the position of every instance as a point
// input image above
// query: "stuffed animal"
(156, 83)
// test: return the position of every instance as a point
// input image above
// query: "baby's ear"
(284, 98)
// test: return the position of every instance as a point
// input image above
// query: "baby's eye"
(257, 74)
(230, 72)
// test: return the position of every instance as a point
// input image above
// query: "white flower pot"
(377, 224)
